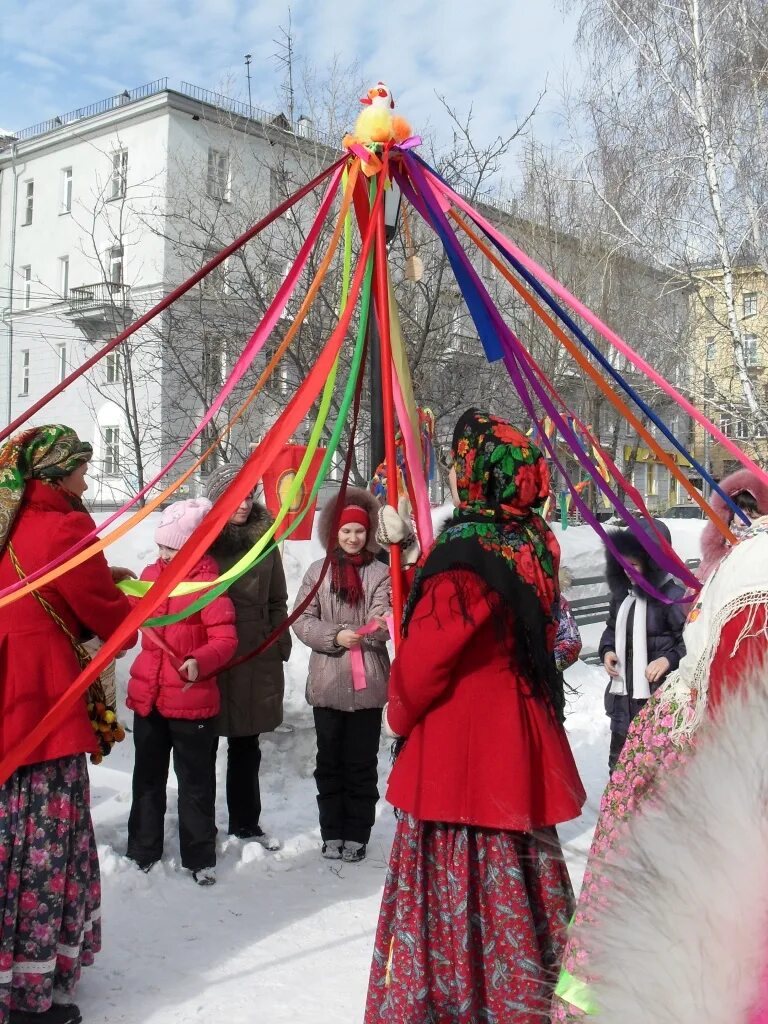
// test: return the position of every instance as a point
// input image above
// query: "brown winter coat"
(252, 693)
(329, 683)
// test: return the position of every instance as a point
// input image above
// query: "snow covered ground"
(283, 936)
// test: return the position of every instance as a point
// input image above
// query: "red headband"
(355, 514)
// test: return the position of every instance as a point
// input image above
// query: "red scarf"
(345, 577)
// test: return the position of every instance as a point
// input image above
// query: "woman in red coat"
(49, 868)
(478, 897)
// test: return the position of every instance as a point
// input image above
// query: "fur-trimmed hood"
(630, 547)
(235, 539)
(353, 496)
(682, 938)
(713, 544)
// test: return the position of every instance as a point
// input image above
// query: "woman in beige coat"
(251, 693)
(355, 592)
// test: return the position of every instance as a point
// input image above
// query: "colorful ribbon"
(356, 657)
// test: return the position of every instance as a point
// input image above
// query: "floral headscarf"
(42, 453)
(496, 533)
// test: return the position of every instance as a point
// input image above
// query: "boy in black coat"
(637, 660)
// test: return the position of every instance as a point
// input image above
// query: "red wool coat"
(208, 635)
(37, 662)
(479, 749)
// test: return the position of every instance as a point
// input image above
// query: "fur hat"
(180, 520)
(219, 480)
(713, 544)
(629, 546)
(363, 500)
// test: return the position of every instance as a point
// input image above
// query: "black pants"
(347, 772)
(618, 739)
(193, 742)
(243, 793)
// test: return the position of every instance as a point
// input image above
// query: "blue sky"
(496, 55)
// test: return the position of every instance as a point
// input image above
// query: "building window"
(66, 190)
(64, 276)
(709, 302)
(29, 201)
(750, 303)
(741, 428)
(711, 349)
(116, 265)
(111, 451)
(750, 349)
(114, 369)
(119, 173)
(26, 273)
(650, 478)
(725, 425)
(709, 387)
(24, 372)
(62, 354)
(218, 182)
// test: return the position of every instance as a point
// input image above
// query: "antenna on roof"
(285, 59)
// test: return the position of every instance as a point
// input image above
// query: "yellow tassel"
(388, 972)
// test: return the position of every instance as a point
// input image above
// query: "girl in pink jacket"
(175, 700)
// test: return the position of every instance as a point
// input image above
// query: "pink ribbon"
(415, 462)
(356, 654)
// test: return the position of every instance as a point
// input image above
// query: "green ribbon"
(571, 990)
(264, 546)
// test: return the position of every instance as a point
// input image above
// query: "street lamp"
(393, 198)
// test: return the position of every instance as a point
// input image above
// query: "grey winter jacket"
(329, 684)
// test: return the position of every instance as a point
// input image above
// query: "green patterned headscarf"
(42, 453)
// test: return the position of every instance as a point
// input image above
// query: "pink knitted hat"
(180, 520)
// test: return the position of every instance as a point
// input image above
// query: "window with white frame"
(218, 182)
(750, 349)
(64, 276)
(711, 349)
(741, 429)
(66, 190)
(750, 303)
(114, 369)
(725, 425)
(29, 201)
(111, 451)
(61, 351)
(26, 273)
(119, 173)
(116, 265)
(24, 372)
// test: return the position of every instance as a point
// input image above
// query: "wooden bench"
(589, 610)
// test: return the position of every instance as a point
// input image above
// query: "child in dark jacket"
(175, 700)
(643, 638)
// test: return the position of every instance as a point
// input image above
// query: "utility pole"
(248, 76)
(285, 59)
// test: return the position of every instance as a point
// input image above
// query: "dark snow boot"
(332, 849)
(59, 1013)
(353, 853)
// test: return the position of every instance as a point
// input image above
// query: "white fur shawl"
(685, 939)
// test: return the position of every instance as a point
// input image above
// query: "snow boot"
(332, 849)
(59, 1013)
(353, 853)
(205, 876)
(260, 836)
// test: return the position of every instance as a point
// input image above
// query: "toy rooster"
(376, 124)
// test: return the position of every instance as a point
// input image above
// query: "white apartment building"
(102, 212)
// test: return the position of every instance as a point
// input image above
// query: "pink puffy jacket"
(208, 635)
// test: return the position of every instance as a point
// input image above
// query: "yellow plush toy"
(376, 124)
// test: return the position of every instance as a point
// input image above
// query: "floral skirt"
(652, 750)
(472, 926)
(49, 884)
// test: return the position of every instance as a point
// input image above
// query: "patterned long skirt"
(652, 751)
(472, 926)
(49, 884)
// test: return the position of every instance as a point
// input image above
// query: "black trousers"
(193, 743)
(243, 792)
(347, 772)
(618, 739)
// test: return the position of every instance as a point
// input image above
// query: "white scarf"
(640, 688)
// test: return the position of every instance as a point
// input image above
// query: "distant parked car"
(684, 512)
